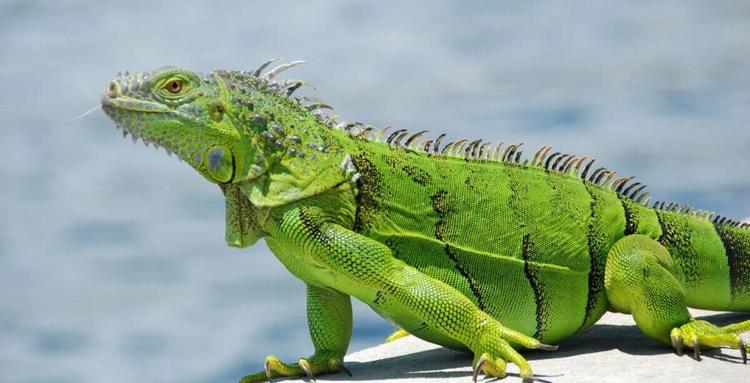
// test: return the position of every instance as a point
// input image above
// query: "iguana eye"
(173, 86)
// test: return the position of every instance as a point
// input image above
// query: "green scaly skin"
(465, 245)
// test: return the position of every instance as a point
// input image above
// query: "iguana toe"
(697, 348)
(478, 367)
(267, 370)
(491, 366)
(676, 341)
(701, 334)
(323, 363)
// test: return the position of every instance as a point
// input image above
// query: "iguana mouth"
(133, 105)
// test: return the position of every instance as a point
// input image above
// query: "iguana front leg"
(317, 249)
(329, 317)
(639, 279)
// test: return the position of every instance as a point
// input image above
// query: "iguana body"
(464, 244)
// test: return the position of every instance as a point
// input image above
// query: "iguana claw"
(699, 333)
(677, 343)
(478, 368)
(305, 365)
(343, 368)
(267, 370)
(697, 349)
(743, 351)
(548, 347)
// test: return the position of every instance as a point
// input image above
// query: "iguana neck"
(298, 154)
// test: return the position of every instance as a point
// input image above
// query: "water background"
(113, 266)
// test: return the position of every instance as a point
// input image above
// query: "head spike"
(280, 68)
(264, 65)
(292, 88)
(318, 105)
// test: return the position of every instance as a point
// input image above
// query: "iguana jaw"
(127, 113)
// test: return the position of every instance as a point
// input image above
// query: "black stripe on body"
(531, 274)
(737, 247)
(527, 253)
(676, 236)
(596, 273)
(442, 207)
(368, 193)
(631, 218)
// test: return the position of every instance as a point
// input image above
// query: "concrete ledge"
(614, 350)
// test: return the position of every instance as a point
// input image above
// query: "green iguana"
(465, 244)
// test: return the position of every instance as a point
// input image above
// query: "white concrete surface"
(614, 350)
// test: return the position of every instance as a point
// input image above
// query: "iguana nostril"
(113, 89)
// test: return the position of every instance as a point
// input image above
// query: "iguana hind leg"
(639, 279)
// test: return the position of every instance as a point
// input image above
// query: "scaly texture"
(466, 244)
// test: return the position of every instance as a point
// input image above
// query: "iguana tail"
(711, 256)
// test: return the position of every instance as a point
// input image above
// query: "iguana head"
(219, 123)
(236, 127)
(180, 111)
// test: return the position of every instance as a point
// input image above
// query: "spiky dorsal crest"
(479, 150)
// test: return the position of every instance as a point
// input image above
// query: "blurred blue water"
(112, 261)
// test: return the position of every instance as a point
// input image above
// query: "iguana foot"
(493, 350)
(400, 333)
(318, 364)
(699, 333)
